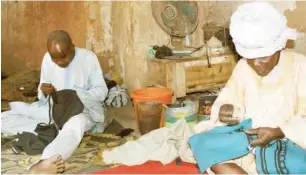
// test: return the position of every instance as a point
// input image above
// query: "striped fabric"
(117, 97)
(225, 143)
(281, 157)
(191, 120)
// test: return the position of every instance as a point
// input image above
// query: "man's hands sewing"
(46, 88)
(226, 115)
(265, 135)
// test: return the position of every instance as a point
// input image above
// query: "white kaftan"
(84, 75)
(277, 100)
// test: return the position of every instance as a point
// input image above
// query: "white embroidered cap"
(259, 30)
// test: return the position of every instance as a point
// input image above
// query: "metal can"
(207, 108)
(151, 52)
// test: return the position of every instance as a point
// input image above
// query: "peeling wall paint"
(297, 17)
(119, 32)
(107, 39)
(295, 11)
(99, 32)
(25, 26)
(137, 30)
(141, 31)
(133, 33)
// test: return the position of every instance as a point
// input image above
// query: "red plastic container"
(163, 95)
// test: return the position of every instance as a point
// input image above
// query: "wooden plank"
(193, 75)
(171, 78)
(180, 80)
(206, 87)
(208, 81)
(214, 60)
(202, 75)
(177, 60)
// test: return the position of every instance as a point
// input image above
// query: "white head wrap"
(259, 30)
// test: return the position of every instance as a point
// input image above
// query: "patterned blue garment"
(230, 142)
(281, 157)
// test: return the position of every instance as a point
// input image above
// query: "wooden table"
(192, 74)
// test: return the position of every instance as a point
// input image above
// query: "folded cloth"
(220, 144)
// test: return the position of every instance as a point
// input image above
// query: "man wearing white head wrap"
(259, 30)
(267, 85)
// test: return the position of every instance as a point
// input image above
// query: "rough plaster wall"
(297, 19)
(295, 11)
(25, 26)
(118, 32)
(134, 30)
(141, 31)
(99, 32)
(117, 18)
(221, 11)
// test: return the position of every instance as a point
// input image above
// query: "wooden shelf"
(191, 74)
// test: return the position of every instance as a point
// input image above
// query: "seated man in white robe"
(268, 84)
(67, 67)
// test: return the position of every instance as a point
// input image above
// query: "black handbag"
(46, 132)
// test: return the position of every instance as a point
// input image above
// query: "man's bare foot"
(53, 165)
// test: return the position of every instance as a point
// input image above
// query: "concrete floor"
(125, 116)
